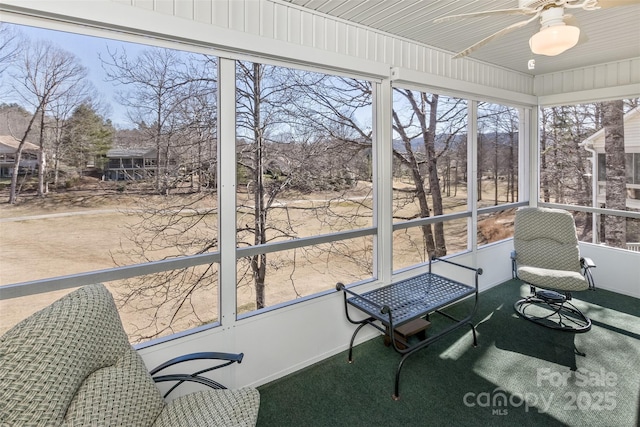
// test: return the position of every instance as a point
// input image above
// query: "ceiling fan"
(558, 31)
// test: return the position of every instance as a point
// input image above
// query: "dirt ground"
(83, 230)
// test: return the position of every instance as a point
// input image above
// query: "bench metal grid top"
(410, 298)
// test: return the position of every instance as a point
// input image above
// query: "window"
(409, 248)
(119, 218)
(430, 175)
(304, 171)
(498, 137)
(575, 147)
(498, 128)
(632, 168)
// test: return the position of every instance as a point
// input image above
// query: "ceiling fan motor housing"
(535, 4)
(558, 31)
(552, 16)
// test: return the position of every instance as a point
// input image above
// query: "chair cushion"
(212, 408)
(123, 394)
(553, 279)
(546, 238)
(46, 358)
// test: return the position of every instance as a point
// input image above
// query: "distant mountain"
(417, 144)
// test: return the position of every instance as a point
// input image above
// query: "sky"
(87, 49)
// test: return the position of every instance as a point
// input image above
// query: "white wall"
(617, 270)
(288, 339)
(615, 80)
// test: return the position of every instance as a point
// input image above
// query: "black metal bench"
(399, 303)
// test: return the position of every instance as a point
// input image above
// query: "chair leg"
(552, 310)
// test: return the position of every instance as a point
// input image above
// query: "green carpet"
(520, 374)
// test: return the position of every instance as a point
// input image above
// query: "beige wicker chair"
(546, 256)
(71, 364)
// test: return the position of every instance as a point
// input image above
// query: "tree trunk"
(428, 127)
(432, 167)
(513, 164)
(259, 262)
(495, 169)
(480, 157)
(544, 178)
(157, 136)
(616, 186)
(41, 157)
(418, 182)
(13, 192)
(56, 167)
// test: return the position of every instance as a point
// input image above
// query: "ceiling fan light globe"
(554, 40)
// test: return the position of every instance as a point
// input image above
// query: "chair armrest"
(184, 377)
(228, 358)
(587, 263)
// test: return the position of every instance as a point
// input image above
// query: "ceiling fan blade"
(604, 4)
(500, 33)
(517, 11)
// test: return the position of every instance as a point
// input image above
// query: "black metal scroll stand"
(393, 305)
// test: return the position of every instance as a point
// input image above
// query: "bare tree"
(564, 164)
(565, 168)
(544, 142)
(172, 97)
(424, 124)
(44, 76)
(14, 119)
(156, 83)
(198, 116)
(616, 187)
(75, 101)
(286, 141)
(262, 99)
(293, 136)
(497, 149)
(333, 128)
(421, 123)
(9, 46)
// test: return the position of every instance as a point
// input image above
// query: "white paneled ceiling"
(608, 34)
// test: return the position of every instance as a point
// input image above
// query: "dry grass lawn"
(83, 230)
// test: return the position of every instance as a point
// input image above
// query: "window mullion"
(227, 190)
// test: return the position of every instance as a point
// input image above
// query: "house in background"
(124, 164)
(8, 149)
(595, 145)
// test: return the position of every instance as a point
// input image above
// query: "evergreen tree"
(88, 137)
